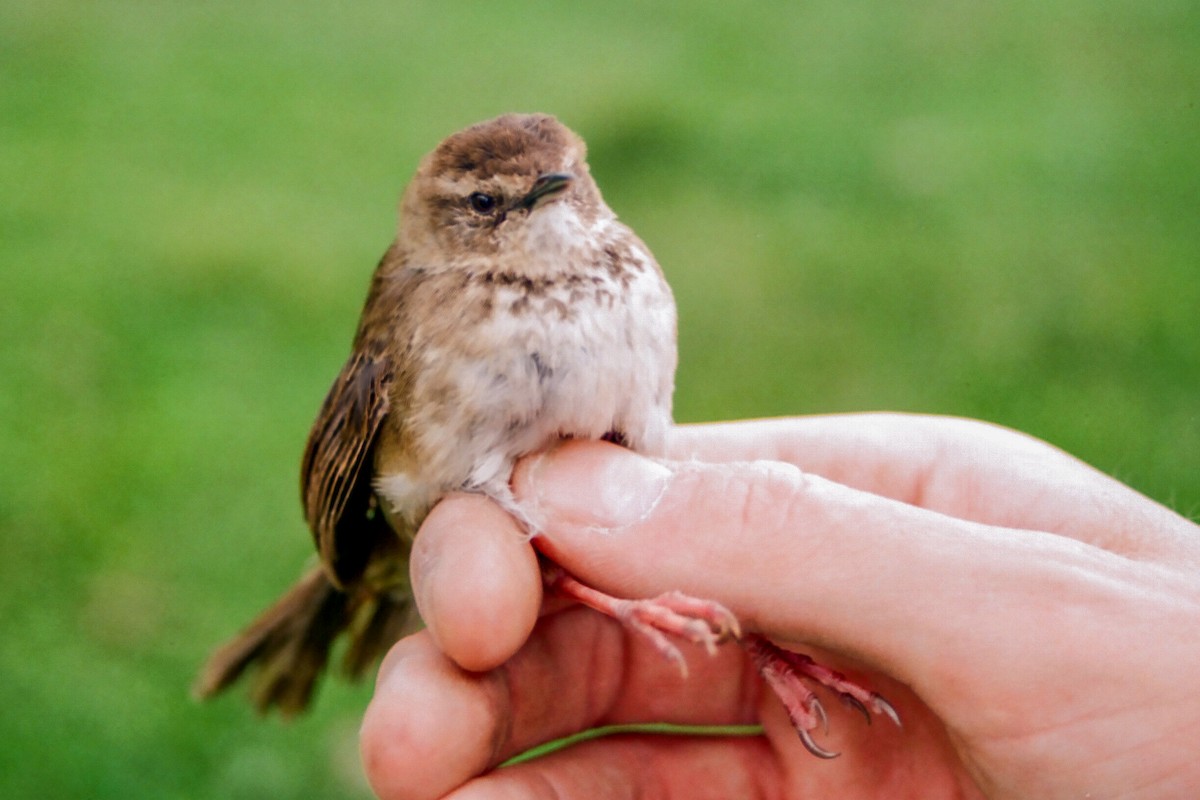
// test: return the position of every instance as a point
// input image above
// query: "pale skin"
(1035, 623)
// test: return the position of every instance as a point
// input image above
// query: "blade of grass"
(652, 728)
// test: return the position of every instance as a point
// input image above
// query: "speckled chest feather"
(512, 361)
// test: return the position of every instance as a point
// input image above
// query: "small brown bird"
(512, 310)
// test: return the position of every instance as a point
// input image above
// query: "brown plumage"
(453, 374)
(512, 310)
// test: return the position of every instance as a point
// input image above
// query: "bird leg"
(702, 622)
(784, 672)
(709, 623)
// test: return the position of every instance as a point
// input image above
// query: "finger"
(641, 766)
(753, 536)
(432, 725)
(475, 580)
(913, 593)
(964, 468)
(919, 764)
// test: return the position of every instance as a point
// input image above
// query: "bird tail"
(287, 648)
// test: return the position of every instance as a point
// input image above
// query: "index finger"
(928, 598)
(432, 725)
(964, 468)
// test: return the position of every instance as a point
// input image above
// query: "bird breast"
(578, 353)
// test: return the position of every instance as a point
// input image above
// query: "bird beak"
(546, 185)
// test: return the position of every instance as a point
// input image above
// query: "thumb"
(994, 628)
(793, 555)
(755, 536)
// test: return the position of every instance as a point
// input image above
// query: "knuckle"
(767, 496)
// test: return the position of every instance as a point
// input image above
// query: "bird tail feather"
(287, 648)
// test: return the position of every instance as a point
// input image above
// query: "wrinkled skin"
(1035, 623)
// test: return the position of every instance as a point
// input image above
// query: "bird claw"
(813, 747)
(709, 624)
(856, 704)
(818, 710)
(702, 622)
(785, 672)
(882, 706)
(706, 621)
(875, 702)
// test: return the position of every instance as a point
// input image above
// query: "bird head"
(514, 192)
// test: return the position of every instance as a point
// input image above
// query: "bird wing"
(335, 475)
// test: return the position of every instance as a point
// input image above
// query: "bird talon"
(818, 710)
(887, 709)
(813, 747)
(856, 704)
(701, 633)
(723, 625)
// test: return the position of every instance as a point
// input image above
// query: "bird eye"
(483, 203)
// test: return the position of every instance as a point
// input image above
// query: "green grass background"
(967, 208)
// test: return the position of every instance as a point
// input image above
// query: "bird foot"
(785, 671)
(708, 623)
(674, 614)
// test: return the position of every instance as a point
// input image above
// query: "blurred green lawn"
(965, 208)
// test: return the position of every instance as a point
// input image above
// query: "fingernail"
(591, 485)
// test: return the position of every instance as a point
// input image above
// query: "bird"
(513, 310)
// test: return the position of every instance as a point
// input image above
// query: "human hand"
(1036, 624)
